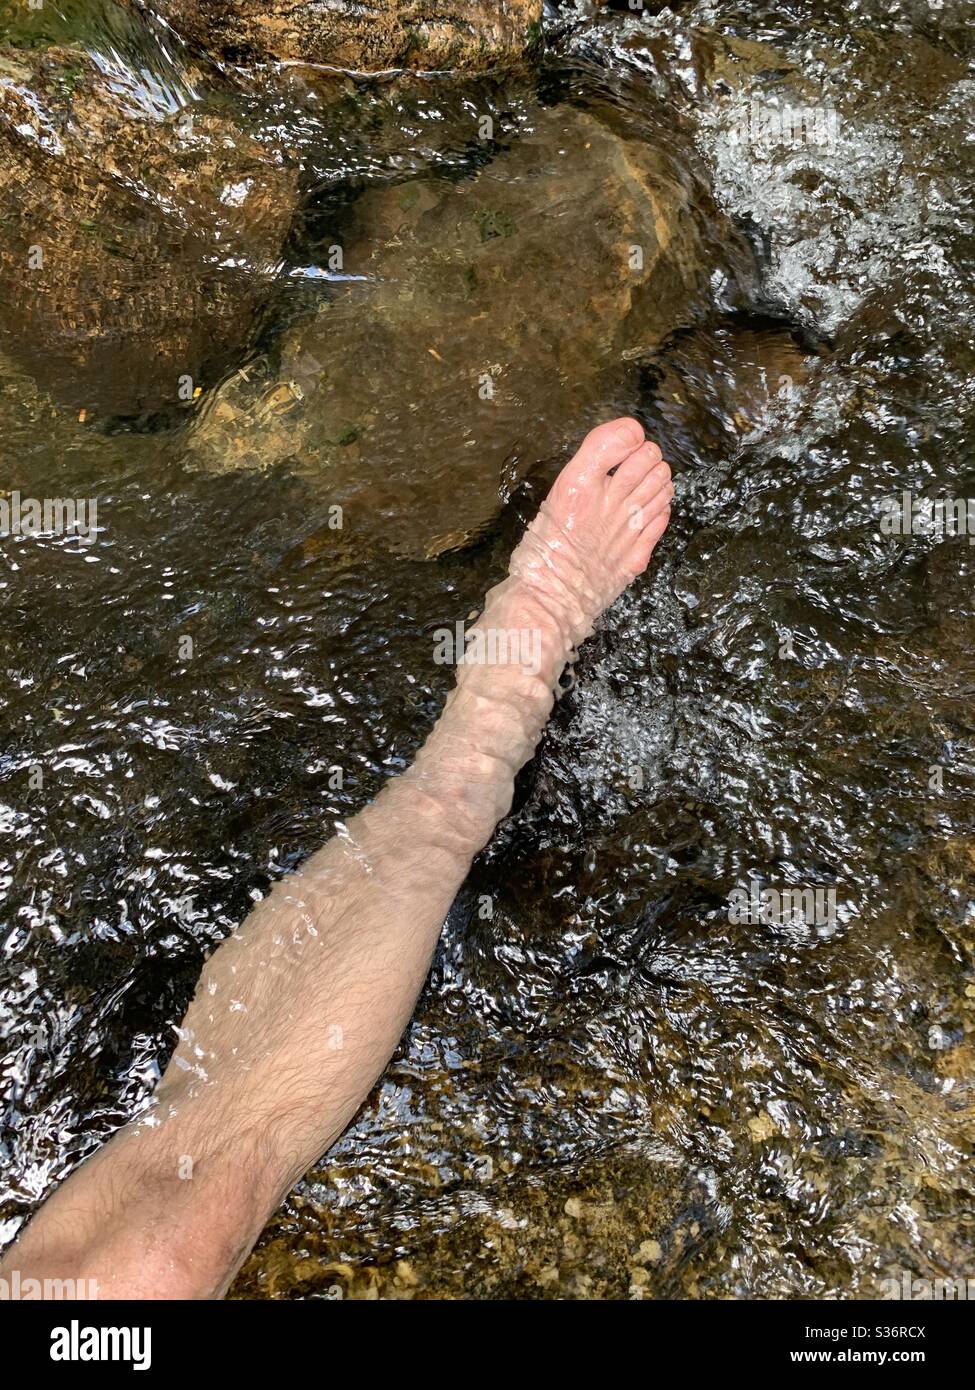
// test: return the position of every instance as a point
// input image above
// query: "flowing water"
(614, 1084)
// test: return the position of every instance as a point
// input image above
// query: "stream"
(614, 1085)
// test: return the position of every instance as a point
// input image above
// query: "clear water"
(609, 1089)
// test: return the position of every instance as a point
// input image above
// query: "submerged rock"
(819, 130)
(418, 34)
(628, 1236)
(482, 325)
(139, 231)
(721, 385)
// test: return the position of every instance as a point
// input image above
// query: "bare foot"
(598, 526)
(594, 534)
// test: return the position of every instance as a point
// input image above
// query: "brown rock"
(134, 245)
(722, 383)
(483, 325)
(422, 35)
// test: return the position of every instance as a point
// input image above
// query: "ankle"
(522, 640)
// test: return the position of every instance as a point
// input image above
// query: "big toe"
(603, 449)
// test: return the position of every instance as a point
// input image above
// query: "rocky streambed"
(315, 308)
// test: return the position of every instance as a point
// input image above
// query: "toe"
(649, 501)
(639, 556)
(604, 448)
(640, 512)
(651, 483)
(635, 468)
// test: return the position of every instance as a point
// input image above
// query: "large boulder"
(138, 235)
(475, 328)
(382, 34)
(826, 133)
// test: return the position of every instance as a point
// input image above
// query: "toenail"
(630, 433)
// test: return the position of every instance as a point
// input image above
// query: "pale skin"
(298, 1012)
